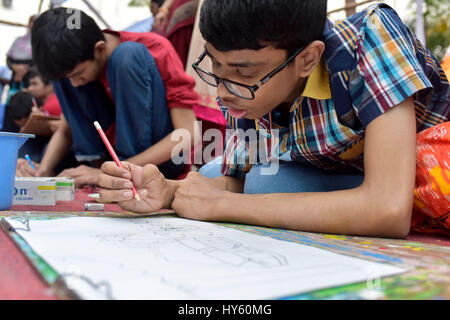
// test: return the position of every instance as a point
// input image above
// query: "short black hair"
(20, 105)
(61, 39)
(158, 2)
(35, 73)
(249, 24)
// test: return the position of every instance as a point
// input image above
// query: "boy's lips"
(236, 113)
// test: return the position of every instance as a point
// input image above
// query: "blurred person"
(19, 60)
(155, 5)
(5, 78)
(19, 109)
(42, 89)
(132, 83)
(145, 25)
(175, 20)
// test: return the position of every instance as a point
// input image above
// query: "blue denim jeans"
(292, 177)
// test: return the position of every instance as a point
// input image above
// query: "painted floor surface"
(426, 257)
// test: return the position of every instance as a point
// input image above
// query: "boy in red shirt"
(133, 84)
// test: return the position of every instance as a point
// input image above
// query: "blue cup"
(10, 143)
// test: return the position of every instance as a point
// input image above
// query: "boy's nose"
(223, 93)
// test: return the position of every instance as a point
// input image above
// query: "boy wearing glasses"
(337, 105)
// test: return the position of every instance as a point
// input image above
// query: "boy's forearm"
(157, 154)
(56, 150)
(231, 184)
(228, 184)
(341, 212)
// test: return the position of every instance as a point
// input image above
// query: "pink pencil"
(113, 154)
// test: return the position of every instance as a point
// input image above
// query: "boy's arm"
(161, 152)
(381, 206)
(57, 148)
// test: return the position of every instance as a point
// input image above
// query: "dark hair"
(20, 105)
(158, 2)
(59, 44)
(35, 73)
(248, 24)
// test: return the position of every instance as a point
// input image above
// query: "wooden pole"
(40, 6)
(16, 24)
(91, 7)
(420, 24)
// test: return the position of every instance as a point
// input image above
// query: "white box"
(34, 191)
(65, 189)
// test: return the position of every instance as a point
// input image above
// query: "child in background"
(42, 89)
(20, 105)
(19, 109)
(132, 83)
(155, 5)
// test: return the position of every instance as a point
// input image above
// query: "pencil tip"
(138, 197)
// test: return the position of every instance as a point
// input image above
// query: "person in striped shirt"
(337, 109)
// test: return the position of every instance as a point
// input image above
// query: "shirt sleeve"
(388, 70)
(179, 85)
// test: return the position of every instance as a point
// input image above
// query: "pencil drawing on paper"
(174, 258)
(161, 239)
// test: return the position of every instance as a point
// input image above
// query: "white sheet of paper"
(173, 258)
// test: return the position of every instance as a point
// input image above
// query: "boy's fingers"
(109, 196)
(27, 171)
(150, 173)
(113, 183)
(21, 163)
(111, 168)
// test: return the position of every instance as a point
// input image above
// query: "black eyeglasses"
(239, 89)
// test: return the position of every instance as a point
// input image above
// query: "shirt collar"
(318, 83)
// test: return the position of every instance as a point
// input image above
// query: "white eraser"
(94, 206)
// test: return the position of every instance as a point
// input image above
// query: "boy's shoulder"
(344, 39)
(151, 40)
(146, 38)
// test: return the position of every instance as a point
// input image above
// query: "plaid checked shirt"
(372, 62)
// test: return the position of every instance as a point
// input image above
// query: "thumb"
(148, 174)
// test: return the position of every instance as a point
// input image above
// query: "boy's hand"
(160, 20)
(197, 197)
(54, 125)
(24, 169)
(155, 191)
(83, 175)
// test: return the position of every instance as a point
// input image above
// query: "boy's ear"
(100, 47)
(309, 58)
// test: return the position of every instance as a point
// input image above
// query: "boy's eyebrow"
(245, 64)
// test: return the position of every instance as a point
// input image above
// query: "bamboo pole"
(40, 6)
(16, 24)
(92, 8)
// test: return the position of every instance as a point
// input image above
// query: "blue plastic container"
(10, 144)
